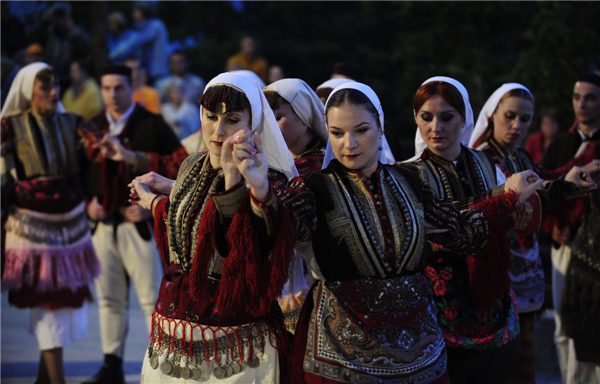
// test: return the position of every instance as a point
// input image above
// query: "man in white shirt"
(134, 142)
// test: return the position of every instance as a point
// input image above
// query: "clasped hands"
(242, 155)
(527, 182)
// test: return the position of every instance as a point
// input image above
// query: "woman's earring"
(380, 148)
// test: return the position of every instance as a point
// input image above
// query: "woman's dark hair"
(274, 99)
(324, 93)
(440, 88)
(47, 75)
(235, 101)
(353, 97)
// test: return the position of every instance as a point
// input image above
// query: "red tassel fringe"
(161, 234)
(204, 252)
(497, 261)
(249, 282)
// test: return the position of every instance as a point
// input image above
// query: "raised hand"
(524, 183)
(112, 149)
(581, 178)
(251, 162)
(140, 194)
(156, 182)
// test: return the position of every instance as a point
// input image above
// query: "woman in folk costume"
(500, 128)
(325, 89)
(217, 315)
(370, 318)
(48, 257)
(299, 114)
(479, 323)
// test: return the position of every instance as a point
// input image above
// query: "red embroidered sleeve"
(166, 165)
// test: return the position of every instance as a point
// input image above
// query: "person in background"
(143, 93)
(119, 33)
(192, 86)
(325, 89)
(576, 349)
(63, 41)
(181, 115)
(152, 37)
(538, 142)
(248, 58)
(49, 260)
(33, 54)
(351, 71)
(275, 73)
(83, 96)
(135, 142)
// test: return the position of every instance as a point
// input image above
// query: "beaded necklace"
(181, 218)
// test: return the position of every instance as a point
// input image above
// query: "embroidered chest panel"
(375, 331)
(477, 175)
(381, 226)
(49, 150)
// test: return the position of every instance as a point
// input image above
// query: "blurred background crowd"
(393, 46)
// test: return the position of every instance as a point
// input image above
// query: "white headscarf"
(263, 121)
(21, 91)
(467, 130)
(251, 75)
(490, 107)
(334, 83)
(305, 103)
(384, 156)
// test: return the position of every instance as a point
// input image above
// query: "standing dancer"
(217, 318)
(500, 128)
(48, 257)
(480, 325)
(371, 318)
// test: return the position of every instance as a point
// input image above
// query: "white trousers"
(572, 370)
(124, 257)
(59, 327)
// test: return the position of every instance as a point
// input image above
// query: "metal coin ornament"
(264, 358)
(205, 376)
(166, 367)
(186, 373)
(228, 371)
(219, 373)
(221, 108)
(154, 361)
(207, 366)
(176, 372)
(196, 374)
(254, 362)
(237, 367)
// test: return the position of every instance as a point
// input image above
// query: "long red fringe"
(497, 261)
(247, 281)
(161, 234)
(204, 252)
